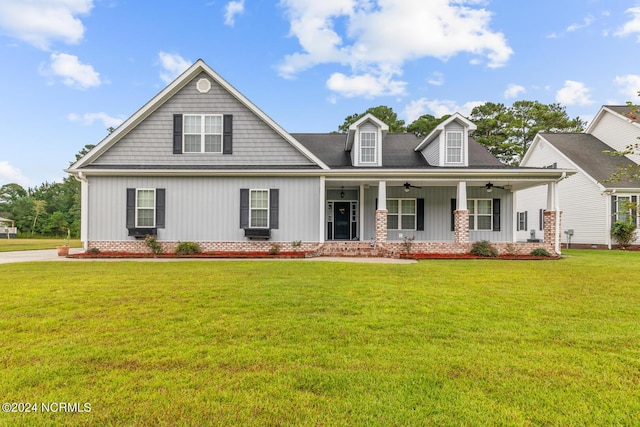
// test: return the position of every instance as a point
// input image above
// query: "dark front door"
(341, 221)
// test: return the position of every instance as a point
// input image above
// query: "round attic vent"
(203, 85)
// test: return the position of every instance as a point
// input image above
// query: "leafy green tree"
(9, 194)
(382, 112)
(509, 131)
(424, 124)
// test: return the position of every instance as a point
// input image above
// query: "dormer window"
(454, 147)
(368, 147)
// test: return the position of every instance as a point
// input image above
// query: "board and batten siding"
(437, 213)
(151, 142)
(203, 209)
(617, 133)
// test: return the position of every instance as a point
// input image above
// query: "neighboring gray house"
(200, 162)
(590, 201)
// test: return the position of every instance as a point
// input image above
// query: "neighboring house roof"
(589, 154)
(397, 152)
(622, 110)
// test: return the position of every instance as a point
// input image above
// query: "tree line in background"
(506, 131)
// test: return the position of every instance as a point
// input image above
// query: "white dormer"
(448, 144)
(364, 140)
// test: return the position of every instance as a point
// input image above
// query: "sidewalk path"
(52, 255)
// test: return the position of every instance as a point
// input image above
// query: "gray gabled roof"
(589, 154)
(397, 152)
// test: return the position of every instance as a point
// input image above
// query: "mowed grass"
(473, 342)
(9, 245)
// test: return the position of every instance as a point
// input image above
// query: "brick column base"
(381, 226)
(549, 226)
(461, 221)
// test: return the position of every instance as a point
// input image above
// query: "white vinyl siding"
(368, 147)
(480, 214)
(454, 147)
(202, 133)
(259, 209)
(401, 214)
(145, 208)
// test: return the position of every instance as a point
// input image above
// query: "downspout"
(84, 208)
(558, 241)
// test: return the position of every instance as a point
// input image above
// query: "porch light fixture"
(342, 193)
(489, 187)
(408, 187)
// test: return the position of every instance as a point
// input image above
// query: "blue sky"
(72, 68)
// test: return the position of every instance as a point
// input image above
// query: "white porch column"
(84, 210)
(462, 196)
(553, 207)
(361, 213)
(382, 195)
(323, 207)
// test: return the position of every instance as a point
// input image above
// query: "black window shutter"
(274, 205)
(131, 207)
(526, 220)
(518, 221)
(177, 134)
(541, 219)
(160, 207)
(244, 208)
(634, 210)
(496, 214)
(420, 214)
(227, 134)
(614, 208)
(453, 215)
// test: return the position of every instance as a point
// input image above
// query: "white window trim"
(138, 208)
(399, 214)
(374, 148)
(268, 208)
(203, 134)
(626, 198)
(475, 215)
(446, 147)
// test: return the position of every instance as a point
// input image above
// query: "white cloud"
(633, 26)
(372, 39)
(41, 22)
(585, 23)
(11, 174)
(366, 85)
(88, 119)
(232, 9)
(73, 72)
(513, 91)
(574, 93)
(436, 79)
(629, 86)
(437, 108)
(173, 65)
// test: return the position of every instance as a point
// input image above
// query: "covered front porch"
(431, 215)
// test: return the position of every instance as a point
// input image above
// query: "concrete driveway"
(40, 255)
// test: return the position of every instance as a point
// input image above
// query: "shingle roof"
(397, 153)
(588, 153)
(623, 110)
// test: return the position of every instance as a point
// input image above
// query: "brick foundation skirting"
(336, 248)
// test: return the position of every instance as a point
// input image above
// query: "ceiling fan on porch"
(489, 187)
(408, 187)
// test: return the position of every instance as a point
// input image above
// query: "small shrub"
(484, 249)
(407, 243)
(274, 249)
(187, 248)
(296, 245)
(510, 248)
(93, 251)
(624, 233)
(540, 252)
(153, 245)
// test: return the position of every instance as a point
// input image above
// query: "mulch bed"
(470, 256)
(117, 254)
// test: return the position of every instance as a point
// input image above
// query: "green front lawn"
(475, 342)
(9, 245)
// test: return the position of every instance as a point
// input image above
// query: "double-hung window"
(203, 133)
(454, 147)
(480, 214)
(401, 214)
(259, 209)
(145, 207)
(368, 147)
(626, 208)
